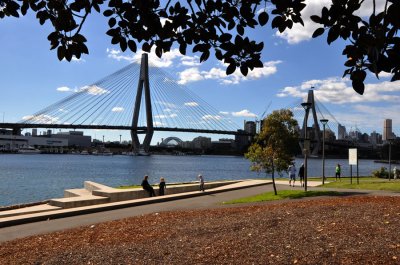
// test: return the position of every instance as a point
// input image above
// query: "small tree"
(275, 146)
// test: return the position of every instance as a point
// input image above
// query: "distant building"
(250, 127)
(342, 134)
(201, 143)
(374, 138)
(75, 138)
(387, 129)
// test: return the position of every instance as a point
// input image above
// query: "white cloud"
(162, 116)
(209, 117)
(117, 109)
(93, 90)
(385, 75)
(190, 60)
(299, 33)
(166, 104)
(42, 118)
(191, 104)
(193, 74)
(167, 60)
(189, 75)
(63, 89)
(158, 123)
(339, 91)
(76, 60)
(224, 112)
(244, 113)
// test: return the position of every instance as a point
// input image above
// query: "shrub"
(381, 173)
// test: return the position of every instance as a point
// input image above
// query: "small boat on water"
(28, 150)
(84, 152)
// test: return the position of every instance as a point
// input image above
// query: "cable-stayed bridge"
(143, 99)
(139, 98)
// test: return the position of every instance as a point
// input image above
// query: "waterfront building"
(387, 129)
(34, 132)
(14, 142)
(74, 138)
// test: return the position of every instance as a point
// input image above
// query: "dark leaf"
(318, 32)
(204, 56)
(225, 37)
(146, 47)
(182, 48)
(316, 19)
(359, 87)
(333, 34)
(111, 22)
(263, 18)
(123, 44)
(108, 13)
(244, 70)
(132, 45)
(231, 69)
(61, 53)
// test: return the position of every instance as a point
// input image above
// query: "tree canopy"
(221, 27)
(276, 144)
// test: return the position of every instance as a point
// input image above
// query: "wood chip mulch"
(345, 230)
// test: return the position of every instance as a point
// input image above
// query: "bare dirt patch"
(348, 230)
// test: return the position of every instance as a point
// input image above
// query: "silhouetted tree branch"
(221, 27)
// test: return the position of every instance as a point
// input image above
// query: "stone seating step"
(76, 192)
(80, 201)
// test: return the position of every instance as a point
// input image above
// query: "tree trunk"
(273, 178)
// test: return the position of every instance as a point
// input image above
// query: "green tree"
(222, 26)
(275, 146)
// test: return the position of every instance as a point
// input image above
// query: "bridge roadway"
(116, 127)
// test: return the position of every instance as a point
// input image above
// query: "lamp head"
(324, 121)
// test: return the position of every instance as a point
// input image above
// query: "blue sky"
(31, 75)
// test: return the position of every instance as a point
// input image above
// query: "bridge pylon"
(143, 84)
(314, 134)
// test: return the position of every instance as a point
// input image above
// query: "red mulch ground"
(346, 230)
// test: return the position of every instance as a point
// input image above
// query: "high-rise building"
(387, 129)
(250, 127)
(341, 132)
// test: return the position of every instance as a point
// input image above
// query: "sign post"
(353, 160)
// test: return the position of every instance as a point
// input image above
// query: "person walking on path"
(201, 182)
(337, 172)
(292, 174)
(301, 175)
(162, 186)
(147, 187)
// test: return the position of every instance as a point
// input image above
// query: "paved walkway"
(207, 200)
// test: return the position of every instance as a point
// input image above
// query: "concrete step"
(29, 210)
(76, 192)
(80, 201)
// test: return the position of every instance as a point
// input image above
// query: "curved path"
(212, 200)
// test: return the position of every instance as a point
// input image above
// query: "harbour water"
(32, 178)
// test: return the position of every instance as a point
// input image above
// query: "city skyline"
(33, 78)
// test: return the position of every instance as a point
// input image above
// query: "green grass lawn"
(282, 194)
(366, 183)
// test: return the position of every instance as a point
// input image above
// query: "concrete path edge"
(30, 218)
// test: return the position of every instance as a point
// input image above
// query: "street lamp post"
(324, 122)
(120, 139)
(390, 157)
(306, 106)
(103, 140)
